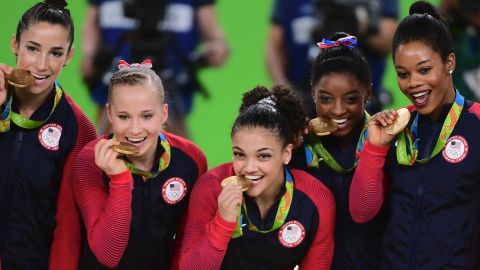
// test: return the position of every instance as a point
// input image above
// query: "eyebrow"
(39, 45)
(354, 91)
(418, 64)
(259, 150)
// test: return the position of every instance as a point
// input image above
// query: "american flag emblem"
(291, 234)
(49, 136)
(456, 149)
(174, 190)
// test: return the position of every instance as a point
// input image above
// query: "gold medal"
(322, 126)
(400, 122)
(238, 181)
(125, 148)
(20, 78)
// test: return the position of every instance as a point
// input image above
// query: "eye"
(264, 156)
(402, 75)
(238, 155)
(324, 99)
(32, 48)
(351, 99)
(57, 53)
(147, 116)
(123, 116)
(425, 70)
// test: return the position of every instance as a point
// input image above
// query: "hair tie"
(348, 41)
(145, 64)
(269, 103)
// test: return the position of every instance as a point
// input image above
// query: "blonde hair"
(135, 76)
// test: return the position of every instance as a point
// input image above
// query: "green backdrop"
(245, 24)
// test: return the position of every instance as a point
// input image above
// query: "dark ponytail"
(50, 11)
(424, 24)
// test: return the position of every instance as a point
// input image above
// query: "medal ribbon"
(407, 143)
(24, 122)
(316, 152)
(282, 211)
(162, 163)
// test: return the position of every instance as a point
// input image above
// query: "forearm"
(276, 56)
(367, 190)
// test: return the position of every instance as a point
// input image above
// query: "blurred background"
(245, 24)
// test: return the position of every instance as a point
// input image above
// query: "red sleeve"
(106, 213)
(207, 234)
(320, 254)
(368, 187)
(65, 249)
(201, 161)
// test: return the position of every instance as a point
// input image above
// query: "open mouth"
(136, 140)
(421, 98)
(341, 123)
(40, 77)
(253, 177)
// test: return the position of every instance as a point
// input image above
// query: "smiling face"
(424, 78)
(341, 97)
(259, 155)
(137, 114)
(43, 50)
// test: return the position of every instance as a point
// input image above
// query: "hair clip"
(348, 41)
(145, 64)
(269, 103)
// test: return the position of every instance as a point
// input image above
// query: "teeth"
(420, 94)
(135, 140)
(253, 177)
(339, 121)
(39, 77)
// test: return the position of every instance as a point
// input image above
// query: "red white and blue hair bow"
(145, 64)
(348, 41)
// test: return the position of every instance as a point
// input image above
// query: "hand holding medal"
(384, 125)
(230, 199)
(106, 156)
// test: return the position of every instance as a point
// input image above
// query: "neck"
(28, 103)
(266, 200)
(449, 99)
(145, 162)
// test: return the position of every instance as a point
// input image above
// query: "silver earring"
(450, 71)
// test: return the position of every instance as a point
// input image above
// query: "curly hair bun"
(423, 7)
(58, 3)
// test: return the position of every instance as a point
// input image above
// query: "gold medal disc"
(21, 78)
(322, 126)
(237, 180)
(125, 148)
(400, 122)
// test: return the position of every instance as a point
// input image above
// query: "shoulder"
(310, 185)
(473, 108)
(188, 148)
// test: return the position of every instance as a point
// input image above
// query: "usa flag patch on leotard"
(455, 150)
(174, 190)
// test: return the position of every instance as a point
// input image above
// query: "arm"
(276, 55)
(66, 245)
(106, 213)
(320, 254)
(381, 42)
(368, 187)
(212, 35)
(90, 41)
(207, 234)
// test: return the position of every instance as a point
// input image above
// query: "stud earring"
(450, 71)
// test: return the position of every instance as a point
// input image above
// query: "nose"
(338, 108)
(250, 166)
(135, 127)
(414, 82)
(42, 62)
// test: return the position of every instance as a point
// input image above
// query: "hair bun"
(423, 7)
(58, 3)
